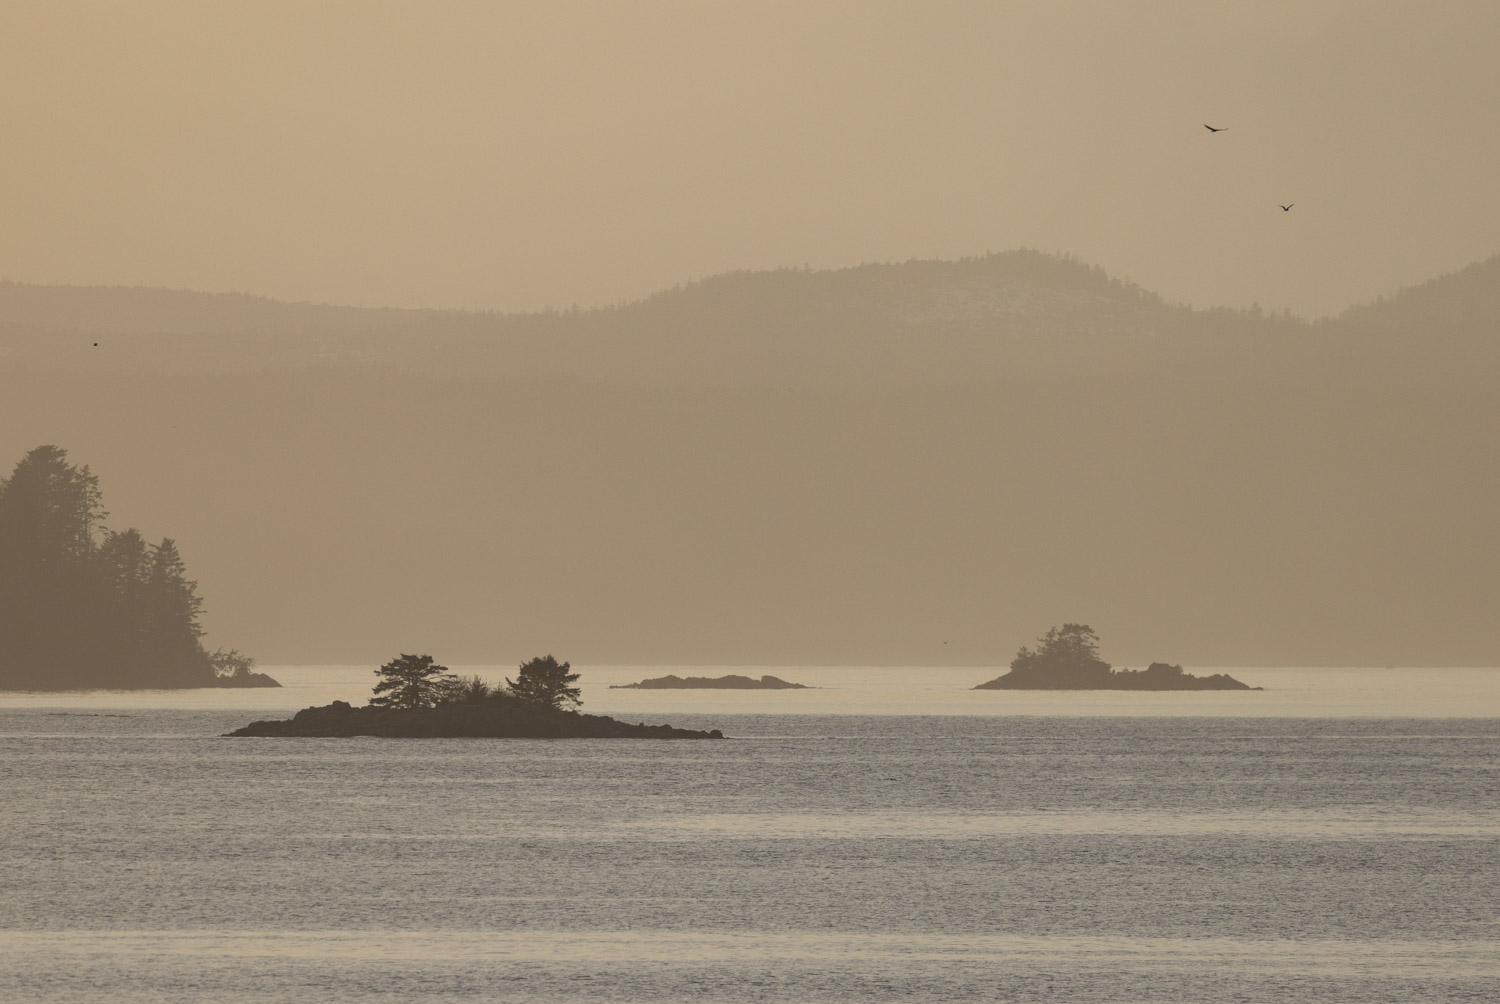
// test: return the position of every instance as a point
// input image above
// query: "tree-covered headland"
(83, 606)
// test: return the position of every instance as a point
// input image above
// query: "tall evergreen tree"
(1065, 657)
(412, 681)
(170, 627)
(546, 681)
(49, 512)
(123, 567)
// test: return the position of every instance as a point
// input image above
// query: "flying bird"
(1212, 129)
(1287, 208)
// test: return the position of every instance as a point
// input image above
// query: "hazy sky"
(511, 155)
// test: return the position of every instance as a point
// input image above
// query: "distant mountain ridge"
(1012, 283)
(927, 320)
(801, 467)
(990, 285)
(868, 327)
(122, 310)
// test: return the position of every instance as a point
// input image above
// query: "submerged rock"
(730, 682)
(452, 721)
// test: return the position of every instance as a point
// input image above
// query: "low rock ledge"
(730, 682)
(460, 721)
(1098, 676)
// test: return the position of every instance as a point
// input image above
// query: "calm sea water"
(1310, 843)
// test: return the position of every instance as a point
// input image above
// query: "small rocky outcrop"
(1099, 676)
(730, 682)
(1163, 676)
(246, 679)
(453, 721)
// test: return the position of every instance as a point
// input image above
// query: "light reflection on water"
(853, 857)
(1325, 957)
(963, 826)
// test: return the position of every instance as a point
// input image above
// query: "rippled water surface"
(810, 857)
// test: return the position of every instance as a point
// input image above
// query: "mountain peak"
(982, 288)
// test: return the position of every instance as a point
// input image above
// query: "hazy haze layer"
(904, 465)
(517, 155)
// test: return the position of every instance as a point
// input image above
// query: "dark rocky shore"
(1157, 676)
(730, 682)
(453, 721)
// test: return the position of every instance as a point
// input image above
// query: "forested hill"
(858, 329)
(852, 466)
(1018, 315)
(874, 327)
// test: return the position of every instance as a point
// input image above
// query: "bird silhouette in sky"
(1212, 129)
(1288, 207)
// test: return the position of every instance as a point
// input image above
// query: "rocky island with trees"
(415, 697)
(83, 607)
(730, 682)
(1067, 658)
